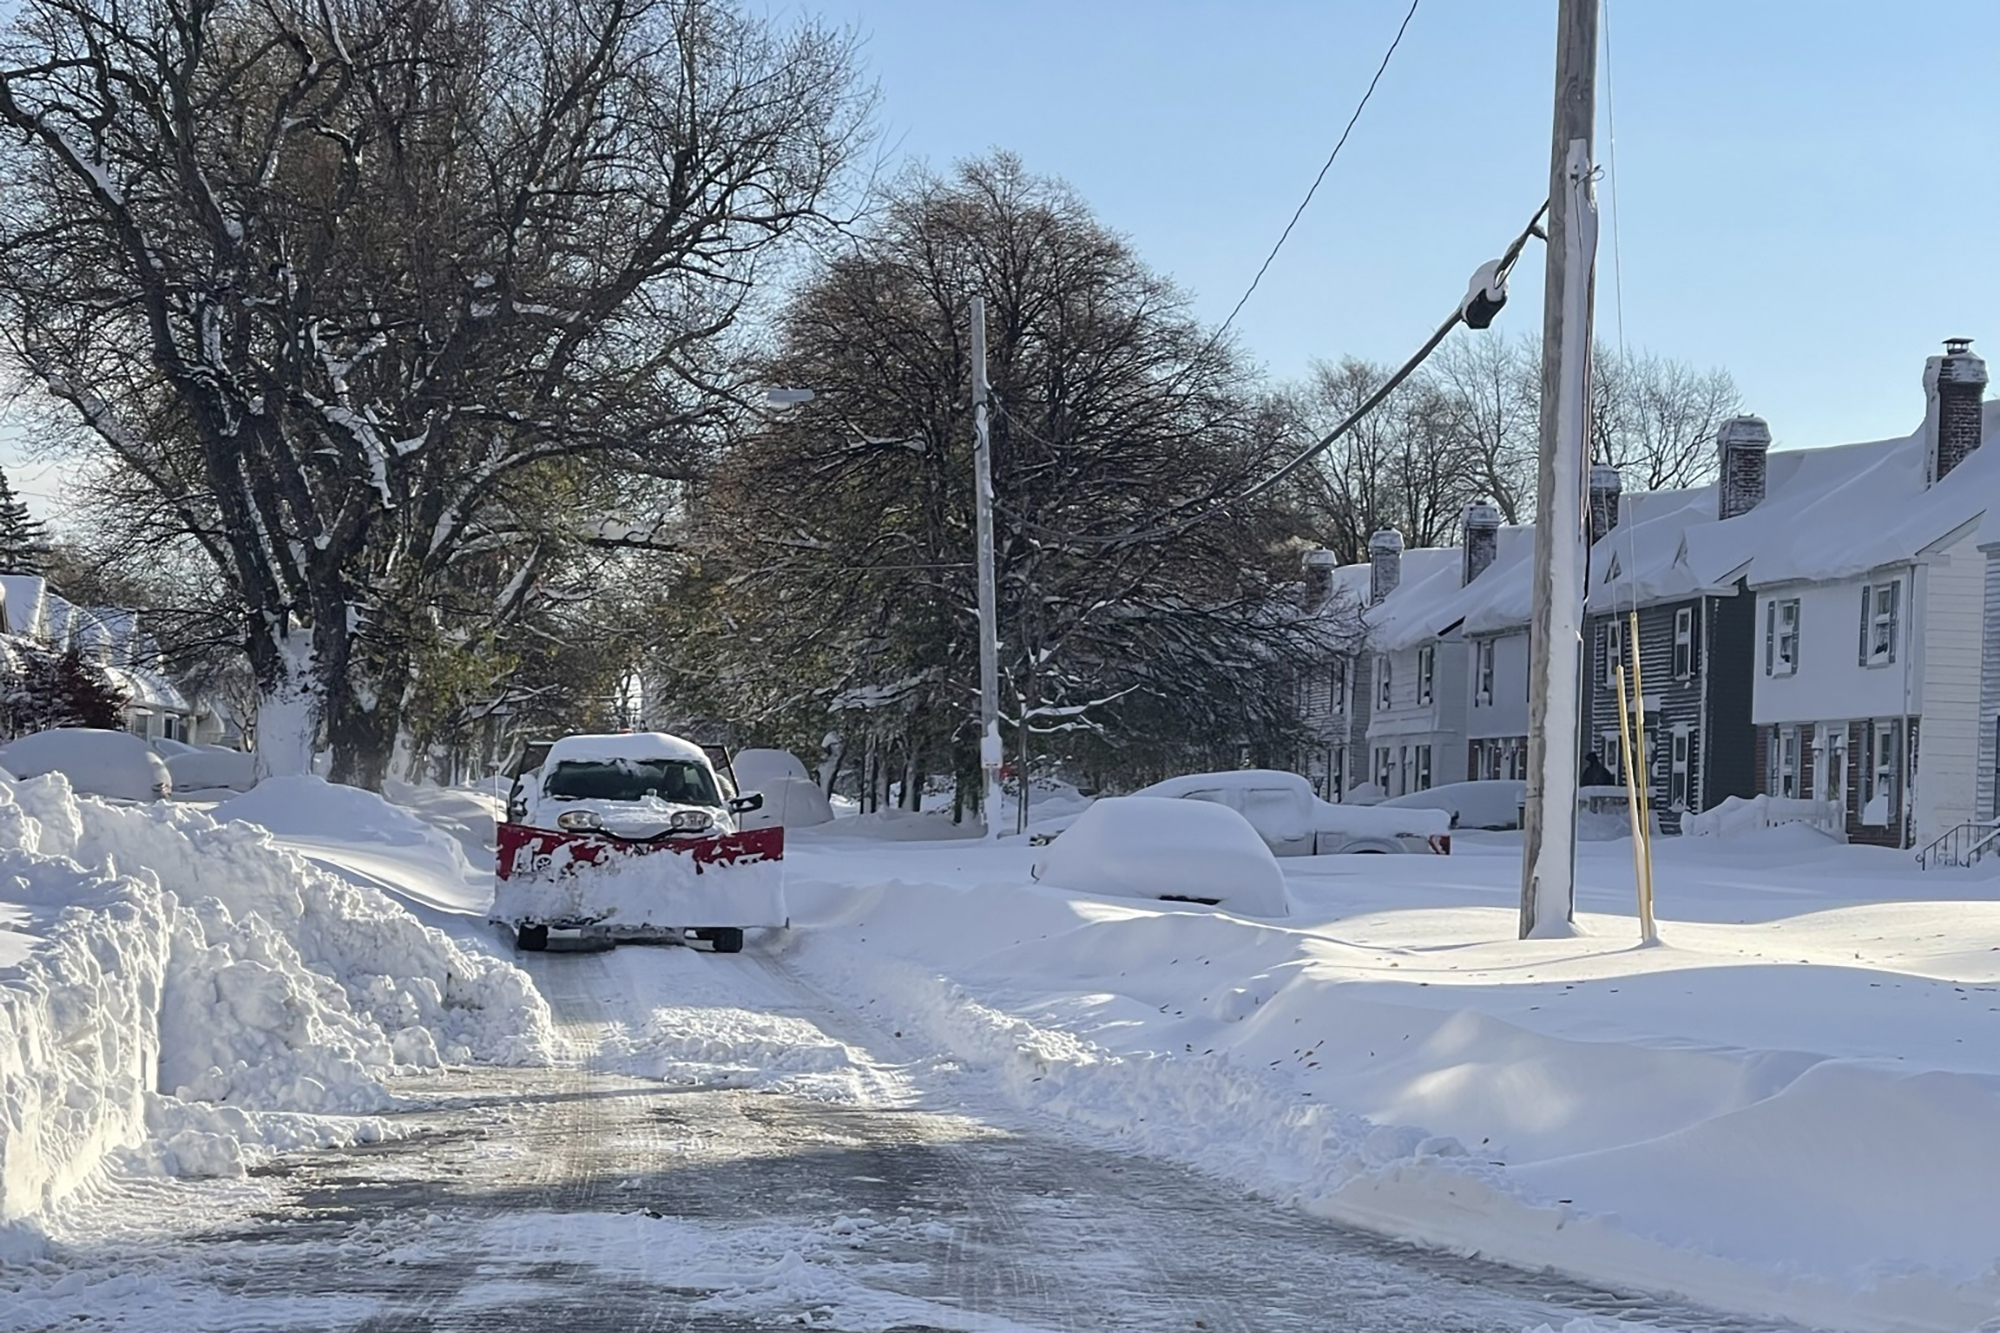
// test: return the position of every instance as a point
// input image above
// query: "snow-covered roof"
(147, 689)
(1419, 607)
(25, 597)
(1502, 597)
(1827, 513)
(625, 745)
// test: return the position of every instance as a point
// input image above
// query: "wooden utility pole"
(1548, 824)
(990, 753)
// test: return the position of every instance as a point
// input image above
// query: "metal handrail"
(1963, 845)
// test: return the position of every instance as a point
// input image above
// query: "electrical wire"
(1327, 166)
(1297, 461)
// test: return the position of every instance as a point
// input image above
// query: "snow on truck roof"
(625, 745)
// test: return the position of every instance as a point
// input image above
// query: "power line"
(1326, 167)
(1501, 268)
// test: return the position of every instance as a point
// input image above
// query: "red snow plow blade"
(527, 852)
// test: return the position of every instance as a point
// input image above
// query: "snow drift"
(195, 992)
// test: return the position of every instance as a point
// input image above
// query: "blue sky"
(1807, 191)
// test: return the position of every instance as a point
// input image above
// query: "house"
(1490, 617)
(1873, 617)
(155, 708)
(1417, 667)
(1333, 700)
(1666, 557)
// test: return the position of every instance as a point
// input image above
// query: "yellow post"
(1645, 812)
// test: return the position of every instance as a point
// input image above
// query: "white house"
(155, 708)
(1871, 618)
(1416, 672)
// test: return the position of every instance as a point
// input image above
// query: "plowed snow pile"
(191, 994)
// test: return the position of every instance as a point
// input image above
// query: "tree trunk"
(289, 705)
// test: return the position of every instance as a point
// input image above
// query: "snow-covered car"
(212, 771)
(1146, 847)
(113, 764)
(1483, 803)
(791, 798)
(574, 851)
(1294, 821)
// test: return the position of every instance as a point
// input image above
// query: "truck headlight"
(691, 821)
(579, 819)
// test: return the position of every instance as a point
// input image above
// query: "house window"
(1421, 779)
(1677, 775)
(1880, 605)
(1614, 652)
(1878, 792)
(1402, 769)
(1483, 686)
(1684, 643)
(1426, 672)
(1337, 686)
(1382, 683)
(1781, 637)
(1382, 768)
(1336, 773)
(1610, 751)
(1516, 754)
(1782, 763)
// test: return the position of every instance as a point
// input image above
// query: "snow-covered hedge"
(197, 990)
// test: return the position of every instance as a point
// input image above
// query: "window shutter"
(1770, 636)
(1867, 601)
(1895, 614)
(1798, 633)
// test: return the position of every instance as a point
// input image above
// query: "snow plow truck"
(633, 836)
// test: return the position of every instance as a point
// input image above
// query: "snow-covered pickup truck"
(1294, 821)
(633, 836)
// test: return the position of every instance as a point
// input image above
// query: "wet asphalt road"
(581, 1199)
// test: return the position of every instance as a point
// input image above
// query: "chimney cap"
(1604, 477)
(1388, 539)
(1482, 514)
(1744, 431)
(1958, 365)
(1319, 558)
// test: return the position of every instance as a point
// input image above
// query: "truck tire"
(531, 939)
(724, 939)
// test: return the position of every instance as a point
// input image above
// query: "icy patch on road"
(817, 1277)
(198, 997)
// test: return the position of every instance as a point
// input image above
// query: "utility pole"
(1548, 824)
(990, 753)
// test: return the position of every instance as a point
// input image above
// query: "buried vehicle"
(632, 836)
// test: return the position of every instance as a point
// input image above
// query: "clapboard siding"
(1944, 794)
(1989, 690)
(1712, 699)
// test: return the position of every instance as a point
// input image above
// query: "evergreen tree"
(49, 689)
(24, 539)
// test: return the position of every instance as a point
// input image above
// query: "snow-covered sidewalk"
(1788, 1108)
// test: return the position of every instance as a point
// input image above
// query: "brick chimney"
(1385, 555)
(1605, 487)
(1482, 539)
(1955, 383)
(1317, 569)
(1741, 444)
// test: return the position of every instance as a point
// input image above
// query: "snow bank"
(1787, 1110)
(196, 994)
(1158, 848)
(1738, 815)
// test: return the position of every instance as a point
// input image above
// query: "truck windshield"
(681, 781)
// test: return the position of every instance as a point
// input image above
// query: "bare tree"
(1654, 419)
(330, 277)
(1496, 384)
(838, 543)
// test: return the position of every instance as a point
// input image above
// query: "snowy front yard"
(1787, 1109)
